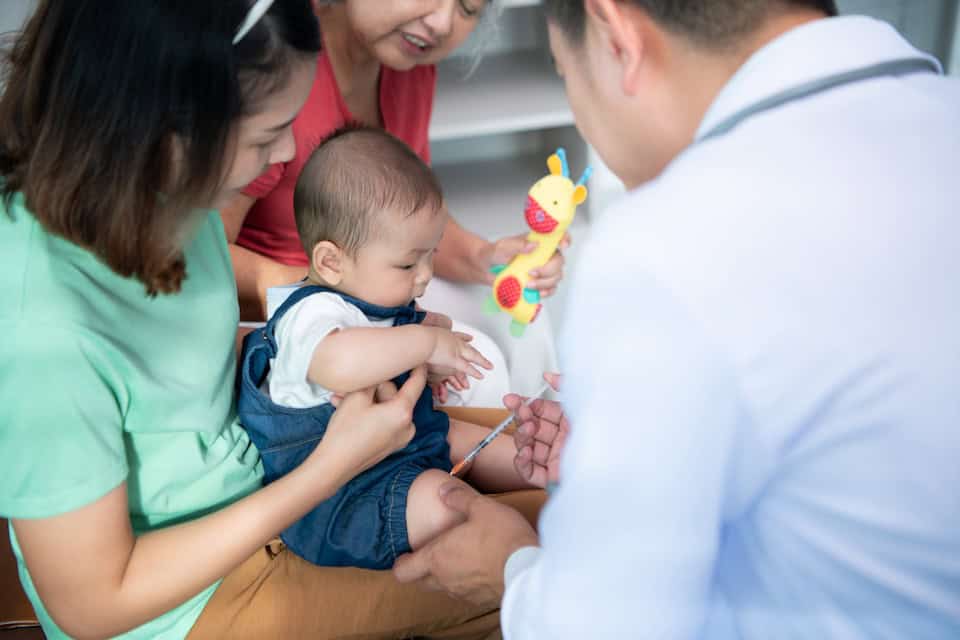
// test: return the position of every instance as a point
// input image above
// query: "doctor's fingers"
(532, 473)
(529, 412)
(553, 379)
(542, 453)
(549, 411)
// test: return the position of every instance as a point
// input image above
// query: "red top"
(406, 101)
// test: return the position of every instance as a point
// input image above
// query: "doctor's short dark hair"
(357, 176)
(710, 23)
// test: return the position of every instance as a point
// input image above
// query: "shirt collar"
(812, 51)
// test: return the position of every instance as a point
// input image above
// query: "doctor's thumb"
(458, 497)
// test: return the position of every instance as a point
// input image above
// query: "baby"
(370, 215)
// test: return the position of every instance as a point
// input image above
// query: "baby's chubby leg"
(492, 471)
(427, 516)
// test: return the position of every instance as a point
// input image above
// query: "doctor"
(764, 354)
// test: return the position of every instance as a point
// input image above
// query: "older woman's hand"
(546, 278)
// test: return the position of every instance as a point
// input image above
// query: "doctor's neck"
(693, 76)
(659, 65)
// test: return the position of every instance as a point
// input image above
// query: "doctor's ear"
(327, 260)
(624, 31)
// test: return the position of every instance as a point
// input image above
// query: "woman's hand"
(546, 278)
(371, 424)
(540, 436)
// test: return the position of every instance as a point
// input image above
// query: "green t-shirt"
(100, 384)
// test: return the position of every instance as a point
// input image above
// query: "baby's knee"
(427, 515)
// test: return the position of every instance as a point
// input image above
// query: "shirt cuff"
(518, 562)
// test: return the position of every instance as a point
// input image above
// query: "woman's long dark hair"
(117, 117)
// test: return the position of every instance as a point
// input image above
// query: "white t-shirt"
(298, 333)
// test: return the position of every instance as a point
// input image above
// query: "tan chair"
(17, 619)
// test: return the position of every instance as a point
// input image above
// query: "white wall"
(955, 55)
(13, 13)
(923, 22)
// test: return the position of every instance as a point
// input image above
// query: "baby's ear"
(327, 261)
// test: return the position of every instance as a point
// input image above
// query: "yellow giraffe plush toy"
(551, 205)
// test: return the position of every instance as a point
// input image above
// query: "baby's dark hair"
(352, 179)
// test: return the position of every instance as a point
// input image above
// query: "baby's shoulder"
(323, 306)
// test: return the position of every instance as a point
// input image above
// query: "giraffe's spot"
(508, 292)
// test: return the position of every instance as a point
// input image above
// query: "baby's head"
(370, 214)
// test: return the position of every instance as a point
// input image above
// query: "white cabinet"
(13, 13)
(928, 24)
(954, 59)
(493, 129)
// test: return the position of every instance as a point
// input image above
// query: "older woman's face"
(405, 33)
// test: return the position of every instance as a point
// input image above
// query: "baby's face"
(395, 268)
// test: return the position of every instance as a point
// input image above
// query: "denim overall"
(364, 524)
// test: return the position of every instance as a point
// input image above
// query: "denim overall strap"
(405, 314)
(299, 294)
(364, 523)
(260, 346)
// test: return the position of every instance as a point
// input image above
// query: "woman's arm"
(97, 579)
(254, 273)
(462, 256)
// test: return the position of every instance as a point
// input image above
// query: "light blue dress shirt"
(763, 374)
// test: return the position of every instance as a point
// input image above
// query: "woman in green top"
(131, 489)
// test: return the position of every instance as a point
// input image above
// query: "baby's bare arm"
(361, 357)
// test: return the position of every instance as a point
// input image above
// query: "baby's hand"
(453, 355)
(439, 384)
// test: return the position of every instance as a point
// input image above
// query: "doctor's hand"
(546, 278)
(542, 430)
(467, 561)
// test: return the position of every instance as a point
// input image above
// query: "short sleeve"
(407, 103)
(429, 89)
(298, 333)
(61, 423)
(267, 182)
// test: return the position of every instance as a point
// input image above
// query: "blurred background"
(501, 111)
